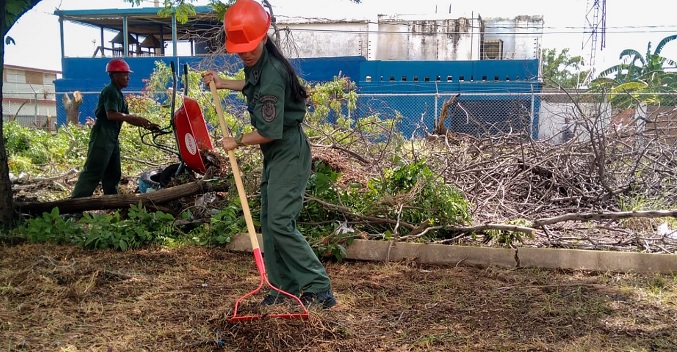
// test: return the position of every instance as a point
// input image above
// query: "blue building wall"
(479, 83)
(486, 71)
(372, 77)
(89, 74)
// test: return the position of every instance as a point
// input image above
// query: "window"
(34, 78)
(492, 49)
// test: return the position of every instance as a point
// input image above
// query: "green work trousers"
(102, 164)
(290, 262)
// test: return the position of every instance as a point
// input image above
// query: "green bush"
(100, 231)
(141, 228)
(49, 227)
(222, 226)
(33, 150)
(411, 193)
(422, 196)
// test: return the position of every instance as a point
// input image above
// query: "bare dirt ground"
(62, 298)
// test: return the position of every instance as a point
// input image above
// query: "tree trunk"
(72, 107)
(7, 214)
(152, 200)
(7, 20)
(440, 129)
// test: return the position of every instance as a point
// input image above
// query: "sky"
(37, 38)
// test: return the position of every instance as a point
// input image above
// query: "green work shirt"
(110, 99)
(271, 106)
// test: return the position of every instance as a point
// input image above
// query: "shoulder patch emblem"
(268, 109)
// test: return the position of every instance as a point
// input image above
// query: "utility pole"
(595, 29)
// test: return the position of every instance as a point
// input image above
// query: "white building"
(28, 96)
(414, 37)
(512, 38)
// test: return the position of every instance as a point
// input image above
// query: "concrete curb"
(550, 258)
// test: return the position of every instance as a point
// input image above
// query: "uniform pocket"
(286, 160)
(101, 138)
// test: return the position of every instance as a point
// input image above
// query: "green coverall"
(103, 154)
(290, 261)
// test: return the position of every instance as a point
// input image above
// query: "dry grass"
(61, 298)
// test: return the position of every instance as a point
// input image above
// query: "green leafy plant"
(334, 244)
(223, 225)
(49, 227)
(111, 231)
(415, 195)
(158, 222)
(36, 151)
(98, 230)
(325, 234)
(640, 78)
(337, 96)
(411, 193)
(322, 185)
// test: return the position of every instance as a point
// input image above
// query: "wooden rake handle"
(236, 171)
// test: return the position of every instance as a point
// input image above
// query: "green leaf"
(122, 245)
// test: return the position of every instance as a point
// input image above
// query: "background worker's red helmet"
(246, 23)
(117, 65)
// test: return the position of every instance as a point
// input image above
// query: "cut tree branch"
(153, 199)
(499, 227)
(372, 219)
(606, 216)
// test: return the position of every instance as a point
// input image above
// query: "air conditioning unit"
(492, 49)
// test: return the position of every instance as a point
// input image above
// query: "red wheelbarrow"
(192, 139)
(192, 135)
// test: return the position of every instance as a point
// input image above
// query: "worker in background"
(276, 104)
(103, 155)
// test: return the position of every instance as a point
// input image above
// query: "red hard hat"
(117, 65)
(246, 24)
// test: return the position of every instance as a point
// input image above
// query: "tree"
(72, 107)
(640, 74)
(10, 12)
(562, 70)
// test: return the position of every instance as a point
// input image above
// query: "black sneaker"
(326, 299)
(272, 299)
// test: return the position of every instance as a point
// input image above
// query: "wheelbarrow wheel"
(170, 172)
(149, 181)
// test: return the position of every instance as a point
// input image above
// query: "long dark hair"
(298, 91)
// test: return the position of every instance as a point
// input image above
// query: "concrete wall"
(521, 36)
(325, 39)
(557, 120)
(434, 37)
(523, 257)
(428, 39)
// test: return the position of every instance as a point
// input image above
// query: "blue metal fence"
(494, 95)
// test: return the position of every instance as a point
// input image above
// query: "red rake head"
(264, 280)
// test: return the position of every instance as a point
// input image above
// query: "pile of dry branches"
(609, 186)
